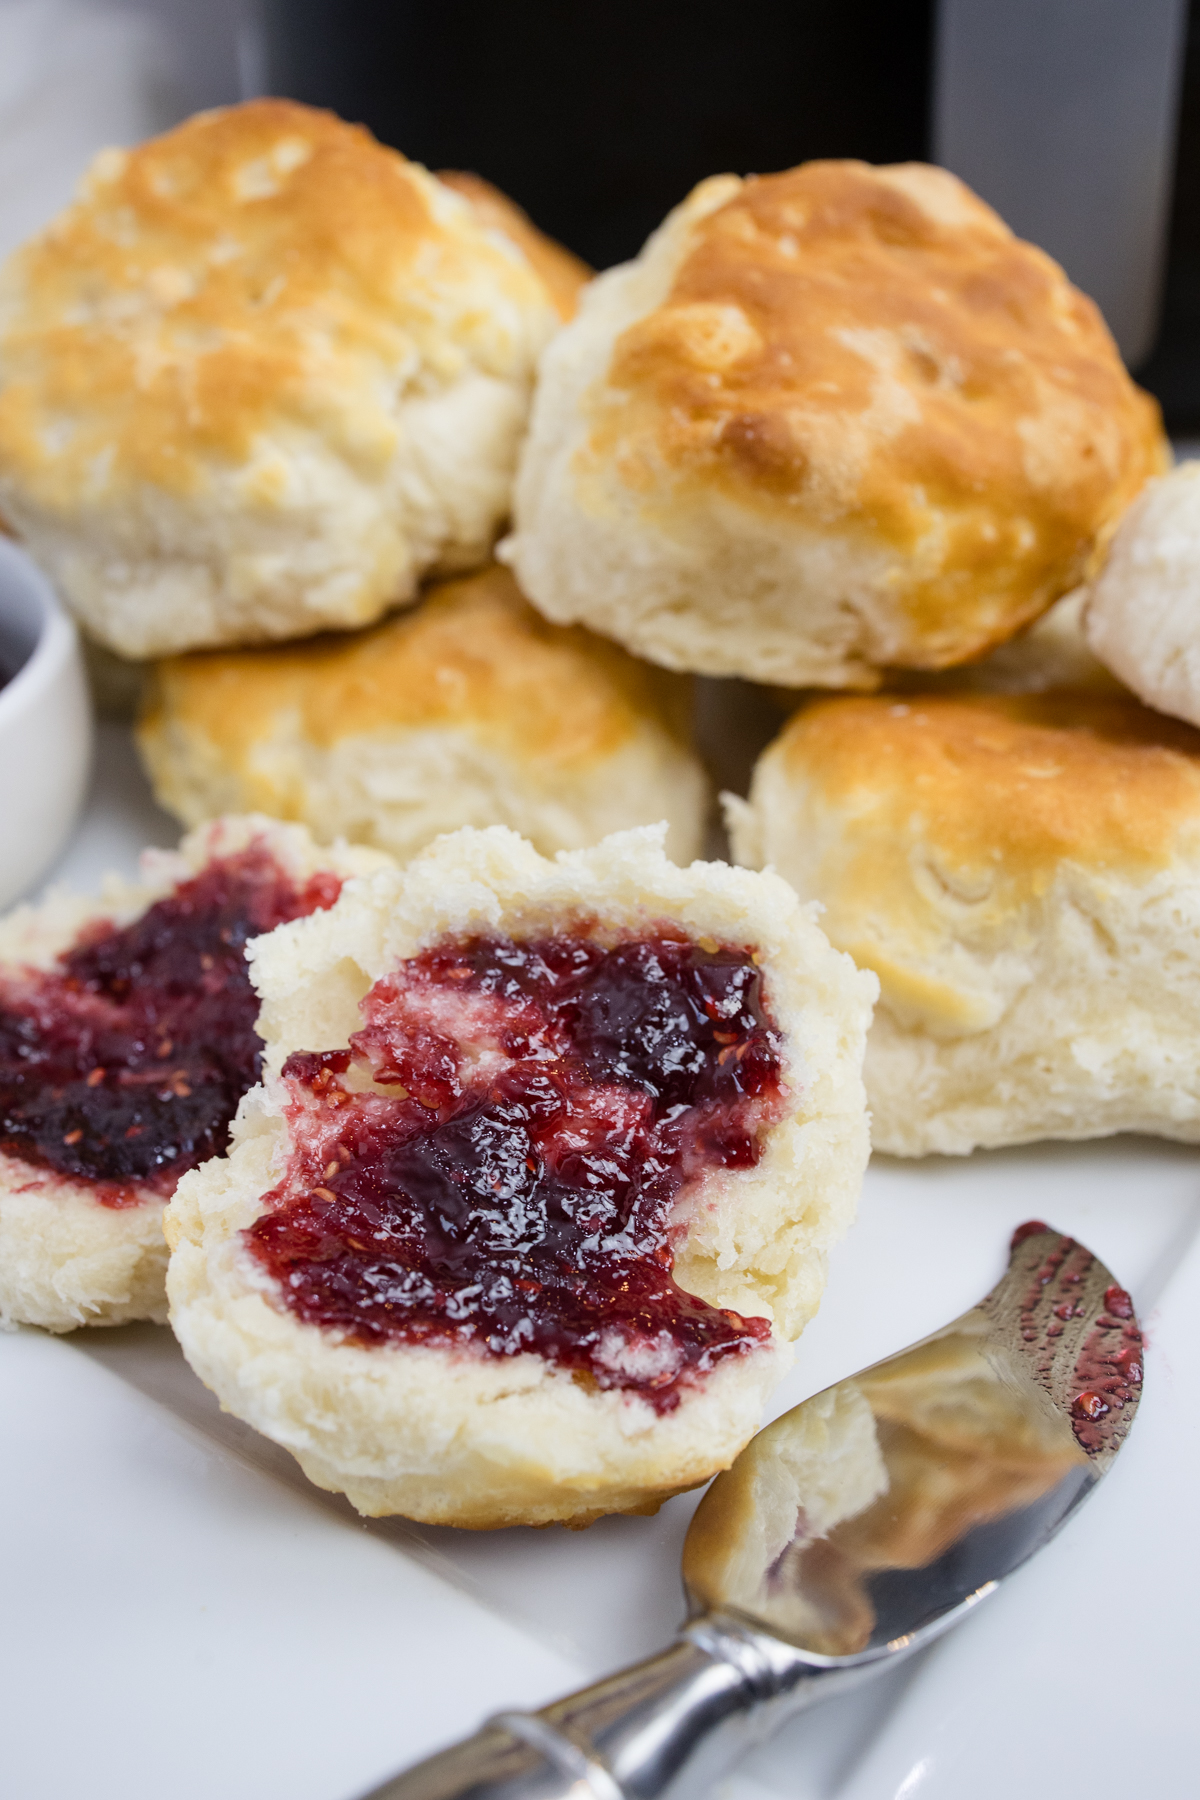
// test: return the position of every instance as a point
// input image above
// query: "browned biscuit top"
(474, 655)
(873, 345)
(999, 789)
(260, 266)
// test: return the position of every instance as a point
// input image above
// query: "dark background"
(1172, 371)
(599, 118)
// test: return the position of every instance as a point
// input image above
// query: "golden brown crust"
(1020, 871)
(474, 654)
(562, 272)
(223, 276)
(998, 786)
(871, 350)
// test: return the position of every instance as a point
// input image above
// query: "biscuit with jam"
(127, 1040)
(540, 1185)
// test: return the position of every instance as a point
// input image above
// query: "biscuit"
(81, 1238)
(545, 1334)
(258, 379)
(829, 421)
(562, 273)
(1143, 609)
(1023, 875)
(1051, 653)
(468, 710)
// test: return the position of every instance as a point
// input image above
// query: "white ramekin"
(45, 725)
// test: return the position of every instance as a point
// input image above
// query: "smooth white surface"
(179, 1626)
(45, 725)
(184, 1615)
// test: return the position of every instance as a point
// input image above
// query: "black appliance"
(1079, 119)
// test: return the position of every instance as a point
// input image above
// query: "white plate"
(184, 1615)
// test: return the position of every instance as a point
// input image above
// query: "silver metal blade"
(887, 1501)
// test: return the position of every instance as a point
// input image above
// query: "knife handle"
(664, 1729)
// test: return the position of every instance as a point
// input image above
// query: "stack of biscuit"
(834, 428)
(417, 530)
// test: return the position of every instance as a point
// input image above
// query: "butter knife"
(848, 1534)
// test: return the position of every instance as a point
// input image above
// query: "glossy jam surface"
(127, 1061)
(496, 1157)
(1106, 1375)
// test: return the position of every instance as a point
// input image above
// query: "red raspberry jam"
(495, 1159)
(126, 1063)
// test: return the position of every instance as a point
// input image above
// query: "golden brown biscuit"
(259, 378)
(1023, 875)
(504, 1335)
(829, 421)
(469, 710)
(563, 273)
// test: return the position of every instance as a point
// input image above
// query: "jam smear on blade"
(1107, 1369)
(495, 1159)
(1108, 1372)
(127, 1061)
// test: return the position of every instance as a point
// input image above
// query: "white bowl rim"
(56, 634)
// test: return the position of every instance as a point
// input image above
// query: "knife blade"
(849, 1533)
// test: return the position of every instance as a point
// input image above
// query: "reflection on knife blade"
(850, 1532)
